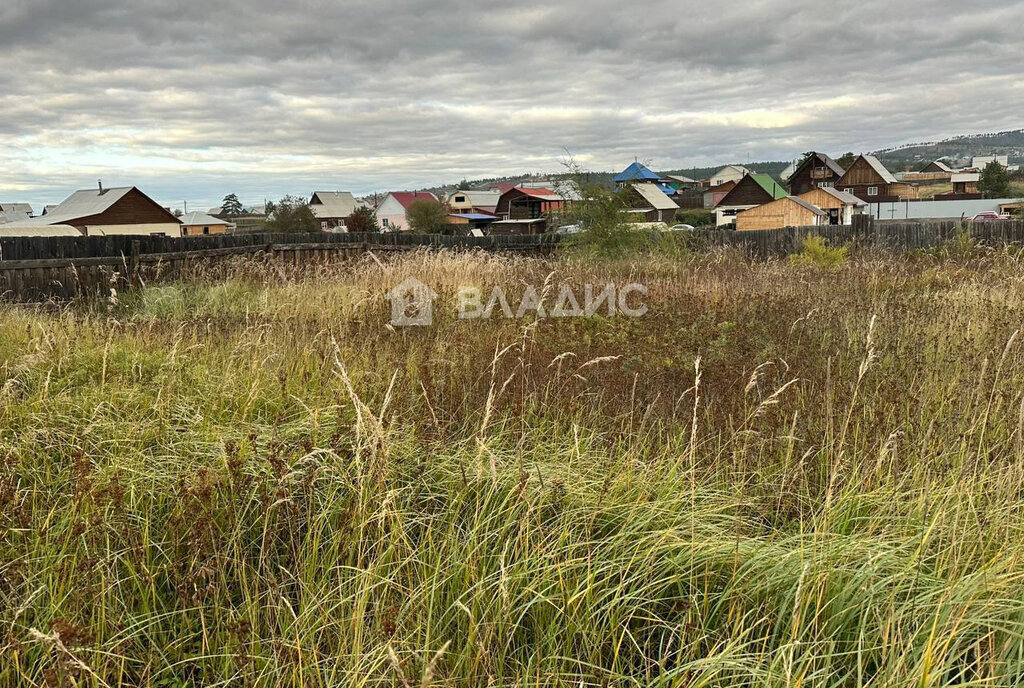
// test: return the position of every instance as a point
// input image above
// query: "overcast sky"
(193, 99)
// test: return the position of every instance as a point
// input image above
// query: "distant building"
(332, 208)
(839, 206)
(201, 224)
(465, 201)
(99, 212)
(966, 183)
(979, 162)
(636, 172)
(526, 210)
(751, 191)
(653, 203)
(788, 211)
(471, 221)
(15, 211)
(391, 211)
(814, 171)
(938, 167)
(870, 181)
(729, 173)
(714, 195)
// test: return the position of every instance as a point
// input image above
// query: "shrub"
(427, 217)
(292, 214)
(694, 216)
(362, 220)
(817, 253)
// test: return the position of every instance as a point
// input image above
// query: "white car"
(569, 229)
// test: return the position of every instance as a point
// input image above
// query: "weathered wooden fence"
(37, 268)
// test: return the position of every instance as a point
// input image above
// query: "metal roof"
(24, 208)
(478, 198)
(966, 177)
(332, 204)
(407, 198)
(81, 204)
(636, 171)
(847, 198)
(474, 216)
(33, 229)
(878, 167)
(655, 196)
(766, 182)
(198, 218)
(801, 202)
(825, 160)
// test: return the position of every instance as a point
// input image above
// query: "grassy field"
(779, 476)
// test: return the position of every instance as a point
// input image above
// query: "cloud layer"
(194, 99)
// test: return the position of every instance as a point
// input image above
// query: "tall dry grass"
(779, 476)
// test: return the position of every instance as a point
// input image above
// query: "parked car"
(989, 216)
(569, 229)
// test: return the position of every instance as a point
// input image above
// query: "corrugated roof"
(809, 206)
(478, 198)
(34, 229)
(766, 182)
(941, 165)
(332, 204)
(636, 171)
(474, 216)
(680, 178)
(407, 198)
(23, 208)
(81, 204)
(966, 177)
(8, 217)
(878, 167)
(198, 218)
(842, 196)
(655, 196)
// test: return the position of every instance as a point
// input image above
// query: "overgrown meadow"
(787, 473)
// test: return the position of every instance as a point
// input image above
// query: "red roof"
(406, 198)
(536, 192)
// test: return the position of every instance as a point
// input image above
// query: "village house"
(102, 212)
(332, 208)
(469, 201)
(937, 167)
(814, 171)
(391, 211)
(839, 206)
(788, 211)
(715, 194)
(526, 210)
(966, 183)
(869, 180)
(653, 204)
(729, 173)
(751, 191)
(680, 182)
(201, 224)
(15, 212)
(636, 172)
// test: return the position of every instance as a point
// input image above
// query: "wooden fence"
(37, 268)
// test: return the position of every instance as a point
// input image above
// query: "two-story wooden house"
(870, 181)
(814, 171)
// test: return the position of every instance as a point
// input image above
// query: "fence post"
(133, 265)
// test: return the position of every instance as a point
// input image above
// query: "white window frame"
(872, 191)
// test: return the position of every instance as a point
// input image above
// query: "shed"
(790, 211)
(838, 205)
(200, 224)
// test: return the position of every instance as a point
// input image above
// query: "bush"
(427, 217)
(292, 214)
(362, 220)
(694, 216)
(817, 253)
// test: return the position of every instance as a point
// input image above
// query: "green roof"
(766, 182)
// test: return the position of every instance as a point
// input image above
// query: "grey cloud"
(198, 98)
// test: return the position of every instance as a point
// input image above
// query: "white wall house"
(391, 211)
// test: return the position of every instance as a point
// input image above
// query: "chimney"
(100, 182)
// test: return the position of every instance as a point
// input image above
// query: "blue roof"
(635, 172)
(475, 216)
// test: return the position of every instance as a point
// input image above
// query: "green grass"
(780, 476)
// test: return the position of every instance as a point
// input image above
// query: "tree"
(847, 160)
(995, 181)
(362, 220)
(292, 214)
(427, 217)
(231, 206)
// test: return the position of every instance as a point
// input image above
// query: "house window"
(185, 231)
(827, 185)
(872, 191)
(384, 222)
(848, 189)
(460, 199)
(206, 230)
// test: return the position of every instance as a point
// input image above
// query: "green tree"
(362, 220)
(292, 214)
(231, 206)
(995, 181)
(846, 160)
(695, 216)
(427, 217)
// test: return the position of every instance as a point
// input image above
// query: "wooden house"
(868, 180)
(788, 211)
(99, 212)
(966, 183)
(652, 203)
(839, 206)
(714, 195)
(637, 172)
(814, 171)
(937, 167)
(332, 208)
(471, 201)
(526, 210)
(751, 191)
(201, 224)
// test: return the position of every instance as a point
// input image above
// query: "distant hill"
(957, 149)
